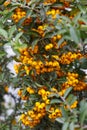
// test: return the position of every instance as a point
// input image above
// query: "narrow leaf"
(2, 53)
(18, 36)
(65, 126)
(3, 33)
(83, 63)
(71, 126)
(67, 92)
(60, 120)
(34, 43)
(74, 35)
(53, 101)
(11, 31)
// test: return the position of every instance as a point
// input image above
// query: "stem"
(83, 127)
(25, 6)
(10, 126)
(63, 99)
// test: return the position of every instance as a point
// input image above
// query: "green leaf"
(31, 2)
(71, 99)
(7, 15)
(53, 101)
(18, 36)
(71, 126)
(2, 53)
(76, 18)
(34, 43)
(18, 45)
(38, 85)
(53, 95)
(64, 113)
(60, 41)
(43, 15)
(65, 19)
(83, 63)
(67, 37)
(15, 80)
(83, 111)
(84, 2)
(83, 27)
(3, 33)
(48, 107)
(67, 92)
(34, 33)
(74, 35)
(65, 126)
(62, 31)
(29, 13)
(82, 8)
(83, 115)
(60, 120)
(11, 31)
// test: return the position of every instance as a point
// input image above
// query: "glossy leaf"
(3, 33)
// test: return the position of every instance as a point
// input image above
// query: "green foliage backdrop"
(49, 38)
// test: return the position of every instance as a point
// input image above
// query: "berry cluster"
(19, 14)
(73, 81)
(34, 116)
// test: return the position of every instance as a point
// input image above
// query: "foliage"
(49, 40)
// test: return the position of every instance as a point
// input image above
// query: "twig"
(63, 99)
(25, 6)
